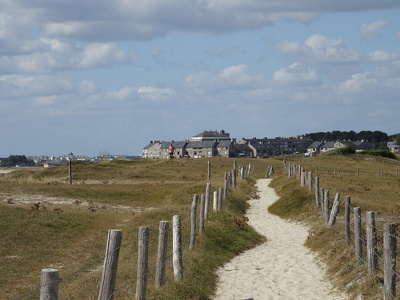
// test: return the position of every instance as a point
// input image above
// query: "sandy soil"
(281, 268)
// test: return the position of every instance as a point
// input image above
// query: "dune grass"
(371, 192)
(38, 231)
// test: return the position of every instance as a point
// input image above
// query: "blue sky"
(89, 76)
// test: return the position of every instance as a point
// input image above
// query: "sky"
(98, 76)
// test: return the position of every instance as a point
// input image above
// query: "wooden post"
(177, 247)
(202, 209)
(193, 222)
(397, 172)
(209, 171)
(317, 199)
(322, 201)
(347, 219)
(389, 261)
(371, 241)
(357, 232)
(109, 276)
(302, 175)
(215, 202)
(207, 200)
(70, 172)
(358, 171)
(142, 266)
(233, 176)
(49, 284)
(220, 198)
(334, 211)
(226, 184)
(326, 207)
(161, 253)
(309, 181)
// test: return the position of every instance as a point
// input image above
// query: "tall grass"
(371, 192)
(38, 231)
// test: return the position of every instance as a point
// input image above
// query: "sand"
(281, 268)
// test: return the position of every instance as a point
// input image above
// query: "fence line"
(50, 279)
(389, 231)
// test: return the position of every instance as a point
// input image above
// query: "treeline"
(379, 139)
(16, 160)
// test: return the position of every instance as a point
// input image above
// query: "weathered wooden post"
(322, 201)
(334, 211)
(207, 200)
(309, 180)
(142, 265)
(202, 209)
(215, 202)
(357, 232)
(177, 247)
(225, 192)
(317, 199)
(161, 253)
(109, 276)
(233, 176)
(371, 241)
(209, 171)
(70, 172)
(358, 171)
(49, 284)
(302, 177)
(347, 219)
(326, 206)
(389, 261)
(193, 222)
(220, 198)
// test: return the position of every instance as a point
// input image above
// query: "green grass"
(120, 194)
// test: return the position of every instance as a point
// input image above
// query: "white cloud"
(154, 95)
(19, 86)
(296, 75)
(382, 56)
(48, 55)
(371, 31)
(318, 49)
(231, 78)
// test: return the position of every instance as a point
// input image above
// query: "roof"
(203, 144)
(212, 134)
(225, 143)
(178, 144)
(316, 145)
(329, 144)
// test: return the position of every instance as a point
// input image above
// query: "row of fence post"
(329, 214)
(50, 277)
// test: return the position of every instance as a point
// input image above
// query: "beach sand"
(281, 268)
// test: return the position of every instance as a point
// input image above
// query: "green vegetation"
(45, 222)
(381, 153)
(16, 160)
(371, 192)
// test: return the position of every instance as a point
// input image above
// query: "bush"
(381, 153)
(342, 151)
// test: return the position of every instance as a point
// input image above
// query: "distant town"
(211, 143)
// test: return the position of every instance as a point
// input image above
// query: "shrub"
(381, 153)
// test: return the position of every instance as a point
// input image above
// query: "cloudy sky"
(98, 75)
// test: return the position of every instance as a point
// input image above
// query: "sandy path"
(282, 268)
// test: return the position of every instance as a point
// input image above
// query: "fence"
(329, 211)
(50, 280)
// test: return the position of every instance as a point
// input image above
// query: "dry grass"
(45, 222)
(371, 192)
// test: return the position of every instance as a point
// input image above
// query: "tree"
(17, 160)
